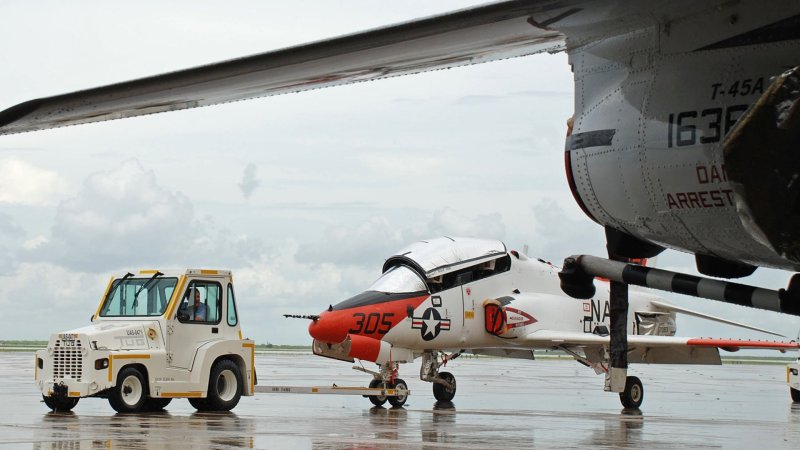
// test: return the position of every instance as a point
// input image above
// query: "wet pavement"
(501, 403)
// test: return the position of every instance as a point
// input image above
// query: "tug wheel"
(131, 392)
(377, 400)
(633, 395)
(442, 393)
(224, 386)
(60, 404)
(399, 400)
(795, 393)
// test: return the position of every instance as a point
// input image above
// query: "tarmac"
(500, 403)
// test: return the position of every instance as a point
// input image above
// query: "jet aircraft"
(440, 298)
(683, 134)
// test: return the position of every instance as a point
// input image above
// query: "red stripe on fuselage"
(737, 343)
(372, 321)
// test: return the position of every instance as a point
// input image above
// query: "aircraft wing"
(470, 36)
(652, 349)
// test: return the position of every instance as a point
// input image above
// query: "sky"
(302, 196)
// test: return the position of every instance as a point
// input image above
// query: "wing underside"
(471, 36)
(652, 349)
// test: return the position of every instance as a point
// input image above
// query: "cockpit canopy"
(435, 257)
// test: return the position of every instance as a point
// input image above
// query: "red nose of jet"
(330, 327)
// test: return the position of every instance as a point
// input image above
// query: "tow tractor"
(157, 336)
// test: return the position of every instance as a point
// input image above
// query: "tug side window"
(202, 303)
(232, 319)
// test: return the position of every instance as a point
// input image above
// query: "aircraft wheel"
(60, 404)
(224, 386)
(400, 400)
(633, 394)
(442, 393)
(377, 400)
(199, 404)
(795, 393)
(156, 404)
(131, 392)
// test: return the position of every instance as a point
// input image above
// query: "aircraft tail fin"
(673, 308)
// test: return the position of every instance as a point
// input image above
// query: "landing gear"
(633, 394)
(442, 392)
(399, 400)
(444, 383)
(377, 400)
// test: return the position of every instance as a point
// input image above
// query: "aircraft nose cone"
(327, 328)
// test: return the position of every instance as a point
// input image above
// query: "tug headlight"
(101, 363)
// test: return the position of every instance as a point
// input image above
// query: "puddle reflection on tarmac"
(500, 404)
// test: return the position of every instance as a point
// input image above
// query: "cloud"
(369, 242)
(26, 184)
(249, 181)
(119, 218)
(560, 235)
(9, 228)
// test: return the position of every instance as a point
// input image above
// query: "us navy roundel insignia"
(430, 324)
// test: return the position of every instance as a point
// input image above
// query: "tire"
(398, 402)
(60, 404)
(156, 404)
(130, 395)
(795, 393)
(633, 395)
(199, 404)
(377, 400)
(440, 392)
(224, 386)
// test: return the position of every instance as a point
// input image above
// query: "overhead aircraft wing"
(652, 349)
(470, 36)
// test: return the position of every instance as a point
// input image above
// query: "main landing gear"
(444, 383)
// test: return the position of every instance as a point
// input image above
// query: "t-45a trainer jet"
(442, 297)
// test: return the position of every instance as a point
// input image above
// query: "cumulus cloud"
(369, 242)
(249, 181)
(26, 184)
(559, 234)
(120, 217)
(8, 227)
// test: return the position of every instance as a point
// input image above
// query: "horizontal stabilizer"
(672, 308)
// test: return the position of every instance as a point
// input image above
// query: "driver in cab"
(195, 311)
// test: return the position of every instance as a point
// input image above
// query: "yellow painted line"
(240, 335)
(182, 394)
(105, 294)
(74, 394)
(134, 356)
(314, 390)
(209, 272)
(111, 359)
(788, 371)
(176, 295)
(252, 346)
(147, 271)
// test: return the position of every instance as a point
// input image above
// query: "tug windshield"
(398, 280)
(131, 297)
